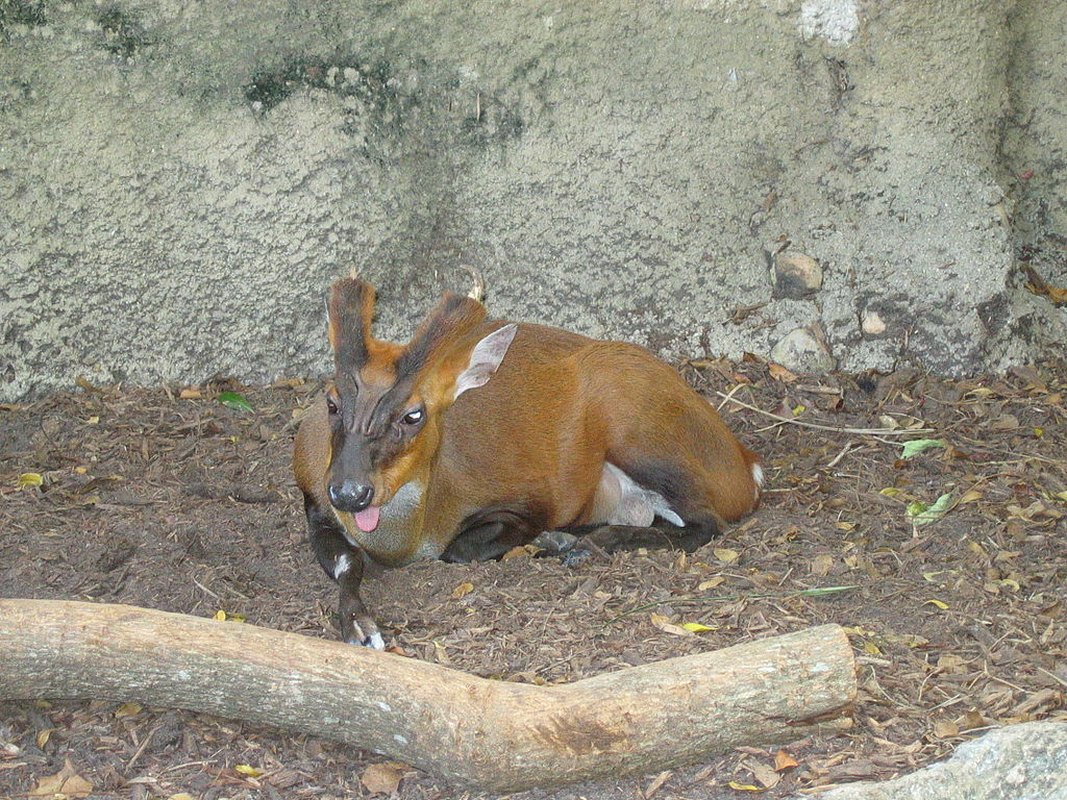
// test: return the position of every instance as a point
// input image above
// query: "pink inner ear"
(485, 359)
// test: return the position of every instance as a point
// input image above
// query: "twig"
(728, 397)
(144, 744)
(198, 583)
(844, 452)
(1052, 675)
(855, 431)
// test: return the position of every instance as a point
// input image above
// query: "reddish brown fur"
(538, 433)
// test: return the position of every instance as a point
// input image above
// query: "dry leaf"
(726, 555)
(710, 583)
(743, 787)
(909, 640)
(667, 626)
(462, 590)
(821, 565)
(946, 729)
(656, 783)
(43, 737)
(951, 663)
(970, 496)
(245, 769)
(190, 393)
(780, 373)
(66, 783)
(972, 719)
(942, 605)
(127, 710)
(181, 796)
(697, 627)
(764, 774)
(383, 778)
(784, 761)
(29, 479)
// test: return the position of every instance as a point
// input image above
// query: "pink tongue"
(367, 519)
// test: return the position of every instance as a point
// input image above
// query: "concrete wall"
(181, 181)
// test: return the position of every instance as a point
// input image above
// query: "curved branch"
(490, 735)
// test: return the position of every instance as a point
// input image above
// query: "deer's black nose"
(350, 496)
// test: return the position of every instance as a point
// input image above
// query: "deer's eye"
(331, 406)
(413, 417)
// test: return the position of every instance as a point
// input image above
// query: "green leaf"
(921, 513)
(235, 401)
(916, 446)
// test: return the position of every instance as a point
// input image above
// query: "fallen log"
(488, 735)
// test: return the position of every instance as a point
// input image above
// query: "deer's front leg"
(344, 563)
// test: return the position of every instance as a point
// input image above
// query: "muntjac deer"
(479, 435)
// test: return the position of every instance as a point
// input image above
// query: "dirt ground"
(959, 623)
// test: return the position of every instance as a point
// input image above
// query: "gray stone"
(1021, 762)
(873, 324)
(796, 275)
(179, 186)
(801, 351)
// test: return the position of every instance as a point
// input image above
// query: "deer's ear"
(351, 307)
(485, 359)
(454, 318)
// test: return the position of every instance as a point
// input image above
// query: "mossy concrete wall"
(181, 181)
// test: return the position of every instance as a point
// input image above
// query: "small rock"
(351, 75)
(873, 324)
(801, 352)
(796, 275)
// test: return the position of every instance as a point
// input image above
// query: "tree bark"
(488, 735)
